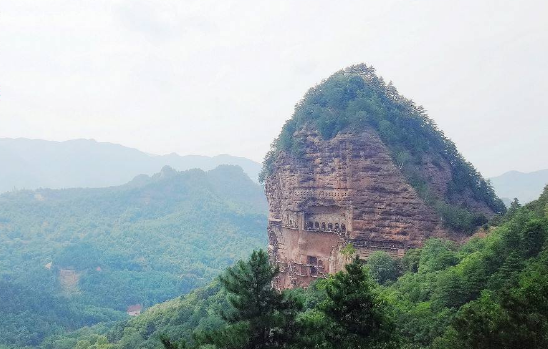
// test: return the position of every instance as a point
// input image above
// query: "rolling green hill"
(91, 253)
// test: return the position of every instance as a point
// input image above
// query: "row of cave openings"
(329, 227)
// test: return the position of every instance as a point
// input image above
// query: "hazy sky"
(211, 77)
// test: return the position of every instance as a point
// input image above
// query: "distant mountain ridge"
(524, 186)
(32, 164)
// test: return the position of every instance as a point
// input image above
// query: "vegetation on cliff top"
(356, 98)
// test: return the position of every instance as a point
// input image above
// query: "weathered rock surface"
(345, 190)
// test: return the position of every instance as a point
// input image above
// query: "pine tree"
(261, 317)
(514, 207)
(507, 274)
(357, 312)
(533, 237)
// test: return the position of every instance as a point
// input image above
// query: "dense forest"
(356, 98)
(76, 257)
(488, 293)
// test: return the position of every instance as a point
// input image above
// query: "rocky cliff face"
(339, 191)
(360, 164)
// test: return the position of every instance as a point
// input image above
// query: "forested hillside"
(35, 163)
(489, 293)
(75, 257)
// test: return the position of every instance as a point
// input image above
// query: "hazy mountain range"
(524, 186)
(31, 164)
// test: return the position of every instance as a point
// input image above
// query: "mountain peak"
(89, 163)
(359, 164)
(168, 171)
(526, 186)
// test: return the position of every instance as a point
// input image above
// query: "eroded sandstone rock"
(339, 191)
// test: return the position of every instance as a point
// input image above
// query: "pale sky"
(210, 77)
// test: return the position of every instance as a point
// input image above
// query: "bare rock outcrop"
(343, 190)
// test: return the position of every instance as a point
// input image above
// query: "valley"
(96, 252)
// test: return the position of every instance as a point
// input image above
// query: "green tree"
(349, 251)
(436, 255)
(383, 268)
(514, 207)
(533, 237)
(260, 316)
(358, 314)
(411, 259)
